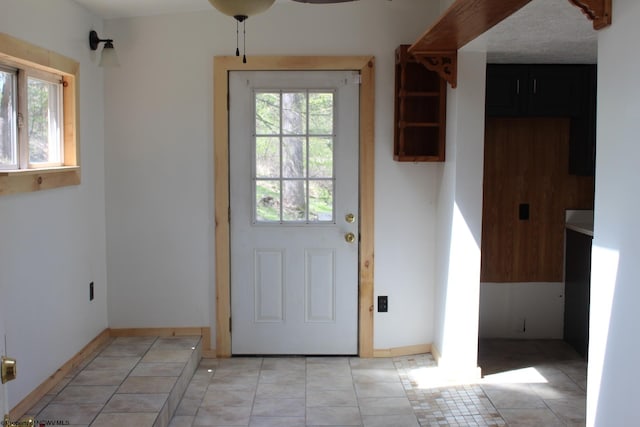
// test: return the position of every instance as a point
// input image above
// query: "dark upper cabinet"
(537, 90)
(582, 145)
(504, 87)
(549, 91)
(557, 90)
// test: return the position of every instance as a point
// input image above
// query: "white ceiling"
(110, 9)
(545, 31)
(551, 31)
(113, 9)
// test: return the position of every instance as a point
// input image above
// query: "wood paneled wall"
(526, 161)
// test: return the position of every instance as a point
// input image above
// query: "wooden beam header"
(465, 20)
(597, 11)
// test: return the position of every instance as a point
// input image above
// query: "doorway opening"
(364, 65)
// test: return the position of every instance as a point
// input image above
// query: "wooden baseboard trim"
(39, 392)
(403, 351)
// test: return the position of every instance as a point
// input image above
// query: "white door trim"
(222, 65)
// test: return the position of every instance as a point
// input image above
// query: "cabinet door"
(577, 291)
(557, 90)
(505, 86)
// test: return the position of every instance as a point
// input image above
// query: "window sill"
(30, 180)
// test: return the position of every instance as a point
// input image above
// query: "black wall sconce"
(109, 58)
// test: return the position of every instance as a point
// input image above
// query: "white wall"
(159, 154)
(522, 310)
(52, 243)
(444, 4)
(614, 348)
(459, 218)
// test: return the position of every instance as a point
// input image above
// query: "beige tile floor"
(526, 383)
(131, 381)
(534, 383)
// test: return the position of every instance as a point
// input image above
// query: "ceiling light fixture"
(109, 57)
(241, 10)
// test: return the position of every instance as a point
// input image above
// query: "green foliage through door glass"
(294, 156)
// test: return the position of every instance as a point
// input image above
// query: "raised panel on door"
(269, 285)
(320, 285)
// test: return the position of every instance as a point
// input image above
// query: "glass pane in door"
(293, 168)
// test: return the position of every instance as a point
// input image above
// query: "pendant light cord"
(237, 38)
(244, 40)
(241, 19)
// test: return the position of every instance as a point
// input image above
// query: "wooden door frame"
(222, 65)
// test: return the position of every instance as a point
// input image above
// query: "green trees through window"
(7, 119)
(38, 124)
(294, 154)
(44, 106)
(39, 144)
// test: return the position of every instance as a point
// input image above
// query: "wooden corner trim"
(597, 11)
(436, 354)
(209, 354)
(443, 63)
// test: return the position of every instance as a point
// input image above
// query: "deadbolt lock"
(350, 218)
(8, 369)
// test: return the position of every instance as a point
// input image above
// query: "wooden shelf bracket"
(443, 63)
(597, 11)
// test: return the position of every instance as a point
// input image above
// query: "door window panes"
(293, 173)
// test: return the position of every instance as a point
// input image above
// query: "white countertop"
(580, 221)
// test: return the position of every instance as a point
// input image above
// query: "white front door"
(294, 204)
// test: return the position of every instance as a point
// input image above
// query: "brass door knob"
(26, 421)
(350, 237)
(8, 369)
